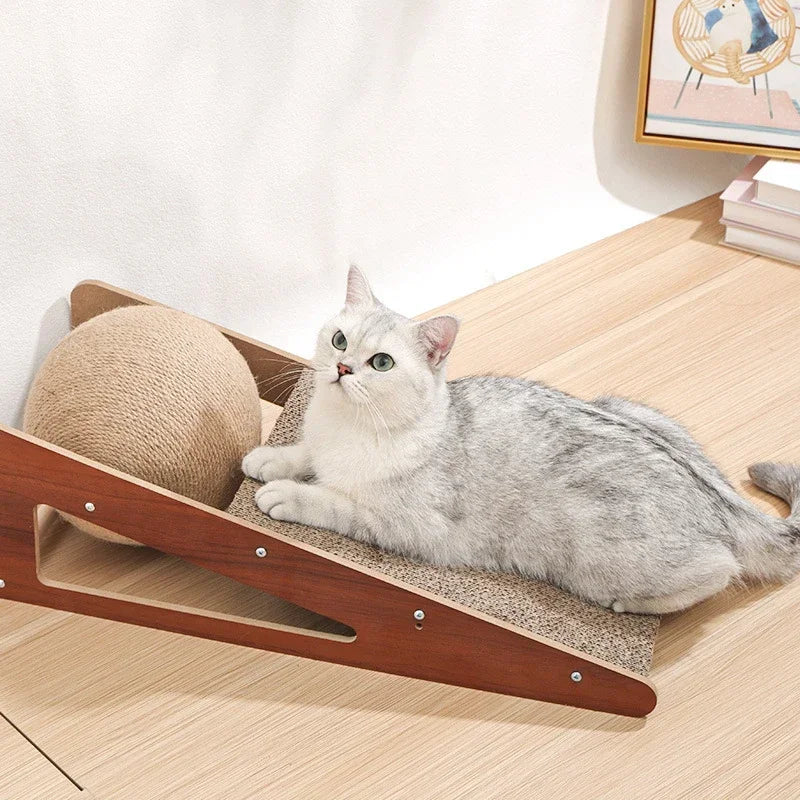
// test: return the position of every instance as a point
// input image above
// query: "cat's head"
(729, 6)
(371, 358)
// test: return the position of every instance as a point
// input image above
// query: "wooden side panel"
(453, 645)
(275, 371)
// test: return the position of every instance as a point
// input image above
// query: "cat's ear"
(437, 336)
(358, 291)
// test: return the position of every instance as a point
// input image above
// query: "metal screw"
(89, 506)
(419, 615)
(2, 584)
(261, 551)
(577, 677)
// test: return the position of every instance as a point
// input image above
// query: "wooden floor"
(660, 313)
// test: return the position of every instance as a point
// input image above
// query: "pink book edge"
(744, 180)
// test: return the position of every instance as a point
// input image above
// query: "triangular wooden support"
(455, 645)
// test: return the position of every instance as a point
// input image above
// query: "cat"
(731, 35)
(609, 499)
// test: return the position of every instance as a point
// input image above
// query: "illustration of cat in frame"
(734, 39)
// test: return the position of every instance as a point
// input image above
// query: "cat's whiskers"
(379, 414)
(281, 384)
(361, 393)
(378, 440)
(273, 383)
(277, 381)
(291, 371)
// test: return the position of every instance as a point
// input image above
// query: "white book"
(762, 242)
(778, 184)
(739, 206)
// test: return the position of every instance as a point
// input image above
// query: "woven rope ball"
(154, 393)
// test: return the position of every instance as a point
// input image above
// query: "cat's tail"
(777, 557)
(782, 480)
(732, 53)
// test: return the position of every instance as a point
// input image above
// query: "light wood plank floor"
(26, 774)
(659, 313)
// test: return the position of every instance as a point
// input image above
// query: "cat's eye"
(339, 341)
(382, 362)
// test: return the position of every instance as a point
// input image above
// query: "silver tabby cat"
(609, 499)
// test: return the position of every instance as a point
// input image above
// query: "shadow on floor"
(680, 632)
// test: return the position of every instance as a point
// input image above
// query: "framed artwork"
(721, 75)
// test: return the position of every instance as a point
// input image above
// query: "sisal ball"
(154, 393)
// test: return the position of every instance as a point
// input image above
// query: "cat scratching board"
(248, 580)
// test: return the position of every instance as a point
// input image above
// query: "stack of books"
(761, 209)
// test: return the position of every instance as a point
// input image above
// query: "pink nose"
(343, 369)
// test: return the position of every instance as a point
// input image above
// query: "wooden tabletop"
(660, 313)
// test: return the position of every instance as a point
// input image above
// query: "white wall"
(230, 158)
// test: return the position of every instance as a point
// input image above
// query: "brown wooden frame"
(454, 645)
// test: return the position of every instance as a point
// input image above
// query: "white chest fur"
(351, 450)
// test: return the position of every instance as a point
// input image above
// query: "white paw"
(281, 500)
(618, 606)
(264, 464)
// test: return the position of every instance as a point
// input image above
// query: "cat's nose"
(343, 369)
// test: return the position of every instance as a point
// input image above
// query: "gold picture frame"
(701, 141)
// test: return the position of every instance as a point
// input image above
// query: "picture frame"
(723, 97)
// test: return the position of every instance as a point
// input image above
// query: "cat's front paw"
(264, 464)
(281, 500)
